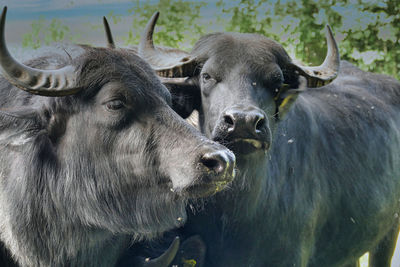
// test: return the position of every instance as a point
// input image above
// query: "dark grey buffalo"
(318, 158)
(93, 158)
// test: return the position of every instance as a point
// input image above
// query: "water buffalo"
(93, 158)
(318, 158)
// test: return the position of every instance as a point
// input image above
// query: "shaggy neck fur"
(34, 225)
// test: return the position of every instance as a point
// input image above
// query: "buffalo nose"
(249, 122)
(221, 163)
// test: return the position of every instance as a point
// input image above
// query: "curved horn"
(58, 82)
(165, 259)
(167, 62)
(110, 40)
(328, 70)
(146, 44)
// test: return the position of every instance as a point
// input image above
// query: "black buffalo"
(93, 158)
(318, 158)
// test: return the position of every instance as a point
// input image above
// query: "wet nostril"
(229, 120)
(260, 123)
(214, 162)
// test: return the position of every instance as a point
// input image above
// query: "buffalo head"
(241, 84)
(102, 155)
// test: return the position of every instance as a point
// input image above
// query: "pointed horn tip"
(152, 22)
(2, 28)
(105, 21)
(3, 14)
(154, 18)
(146, 40)
(156, 14)
(332, 41)
(328, 30)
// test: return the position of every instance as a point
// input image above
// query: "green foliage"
(115, 18)
(368, 31)
(54, 31)
(32, 39)
(178, 22)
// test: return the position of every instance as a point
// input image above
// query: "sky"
(32, 9)
(83, 17)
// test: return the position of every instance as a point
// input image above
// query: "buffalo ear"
(286, 103)
(56, 126)
(186, 98)
(18, 127)
(287, 96)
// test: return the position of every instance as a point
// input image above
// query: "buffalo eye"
(115, 104)
(206, 78)
(208, 83)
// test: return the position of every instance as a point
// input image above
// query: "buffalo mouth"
(206, 189)
(208, 185)
(245, 146)
(213, 172)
